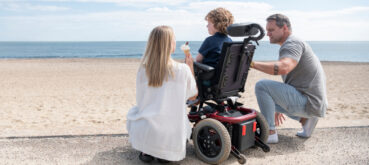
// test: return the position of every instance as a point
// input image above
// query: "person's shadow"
(288, 143)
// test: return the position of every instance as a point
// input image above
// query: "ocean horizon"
(345, 51)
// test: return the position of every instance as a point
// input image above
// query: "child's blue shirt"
(212, 47)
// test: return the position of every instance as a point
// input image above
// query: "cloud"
(343, 24)
(158, 9)
(329, 14)
(11, 6)
(123, 2)
(115, 1)
(187, 21)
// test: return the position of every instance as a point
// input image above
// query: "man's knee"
(261, 85)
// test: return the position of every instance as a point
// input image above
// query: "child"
(158, 125)
(218, 21)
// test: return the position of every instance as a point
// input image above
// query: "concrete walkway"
(343, 145)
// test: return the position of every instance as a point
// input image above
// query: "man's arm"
(281, 67)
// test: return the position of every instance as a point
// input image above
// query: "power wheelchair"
(223, 126)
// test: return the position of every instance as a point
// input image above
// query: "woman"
(158, 125)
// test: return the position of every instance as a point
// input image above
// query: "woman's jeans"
(279, 97)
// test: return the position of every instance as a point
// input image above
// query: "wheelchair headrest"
(246, 30)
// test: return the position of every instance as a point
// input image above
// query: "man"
(302, 96)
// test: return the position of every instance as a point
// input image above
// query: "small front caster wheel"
(242, 159)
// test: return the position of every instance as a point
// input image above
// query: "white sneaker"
(273, 138)
(308, 128)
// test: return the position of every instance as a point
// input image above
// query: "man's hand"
(278, 118)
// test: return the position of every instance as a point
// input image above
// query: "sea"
(347, 51)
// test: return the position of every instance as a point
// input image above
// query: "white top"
(158, 125)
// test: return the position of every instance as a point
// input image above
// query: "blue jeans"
(279, 97)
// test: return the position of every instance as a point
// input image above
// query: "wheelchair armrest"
(203, 72)
(203, 67)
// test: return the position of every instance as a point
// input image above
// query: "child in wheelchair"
(218, 21)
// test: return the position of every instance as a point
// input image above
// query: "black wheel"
(242, 160)
(266, 149)
(212, 141)
(262, 127)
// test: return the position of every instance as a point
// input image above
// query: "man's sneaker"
(273, 138)
(308, 127)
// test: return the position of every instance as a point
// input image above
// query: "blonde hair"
(157, 60)
(221, 18)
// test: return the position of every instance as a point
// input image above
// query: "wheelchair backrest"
(234, 63)
(232, 69)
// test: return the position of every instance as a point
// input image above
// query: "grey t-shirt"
(308, 76)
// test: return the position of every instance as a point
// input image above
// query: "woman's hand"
(189, 61)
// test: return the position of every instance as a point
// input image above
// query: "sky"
(132, 20)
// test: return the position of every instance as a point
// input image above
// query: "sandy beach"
(51, 97)
(92, 96)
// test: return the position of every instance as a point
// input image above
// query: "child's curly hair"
(221, 18)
